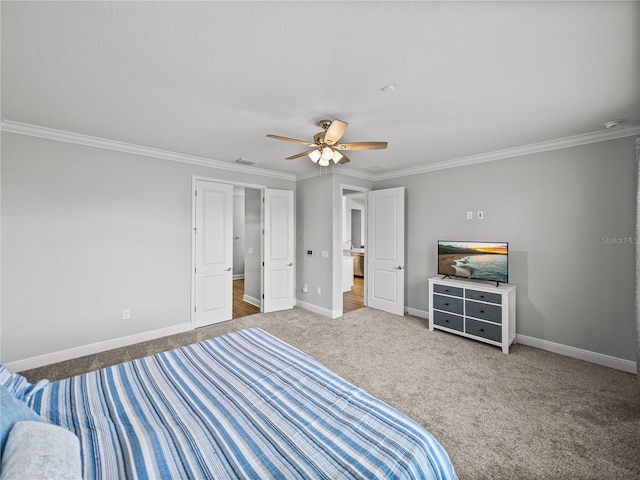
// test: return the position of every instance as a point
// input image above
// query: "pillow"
(12, 410)
(37, 450)
(18, 385)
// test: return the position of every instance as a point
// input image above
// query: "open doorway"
(353, 249)
(246, 251)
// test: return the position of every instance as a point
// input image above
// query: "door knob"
(228, 269)
(290, 265)
(399, 267)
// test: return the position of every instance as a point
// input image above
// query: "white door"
(385, 250)
(279, 237)
(213, 253)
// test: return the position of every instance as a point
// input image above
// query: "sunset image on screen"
(493, 248)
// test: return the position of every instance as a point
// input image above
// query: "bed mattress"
(242, 406)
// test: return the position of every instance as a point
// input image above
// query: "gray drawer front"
(450, 304)
(484, 296)
(448, 320)
(493, 313)
(447, 290)
(485, 330)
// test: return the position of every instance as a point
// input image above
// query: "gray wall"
(88, 232)
(252, 270)
(314, 217)
(238, 232)
(568, 215)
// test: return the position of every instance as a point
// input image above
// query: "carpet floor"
(530, 414)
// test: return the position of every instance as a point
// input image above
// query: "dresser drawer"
(447, 290)
(448, 320)
(485, 311)
(484, 330)
(450, 304)
(484, 296)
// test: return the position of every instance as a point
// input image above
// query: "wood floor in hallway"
(240, 307)
(354, 298)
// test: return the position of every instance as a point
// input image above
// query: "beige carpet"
(527, 415)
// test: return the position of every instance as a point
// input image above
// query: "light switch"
(325, 253)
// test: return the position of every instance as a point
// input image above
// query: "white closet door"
(213, 253)
(385, 250)
(279, 238)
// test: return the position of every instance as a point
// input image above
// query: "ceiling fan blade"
(335, 132)
(361, 146)
(344, 159)
(293, 157)
(287, 139)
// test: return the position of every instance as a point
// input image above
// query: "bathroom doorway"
(354, 256)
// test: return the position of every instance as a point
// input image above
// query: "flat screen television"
(475, 260)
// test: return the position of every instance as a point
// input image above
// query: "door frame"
(195, 178)
(338, 303)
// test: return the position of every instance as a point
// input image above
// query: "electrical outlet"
(305, 289)
(126, 314)
(318, 290)
(325, 253)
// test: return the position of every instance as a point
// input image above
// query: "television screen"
(475, 260)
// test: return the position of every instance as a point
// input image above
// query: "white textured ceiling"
(211, 79)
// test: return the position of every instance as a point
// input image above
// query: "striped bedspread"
(245, 405)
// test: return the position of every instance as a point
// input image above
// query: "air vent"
(244, 161)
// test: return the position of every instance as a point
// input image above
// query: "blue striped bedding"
(245, 405)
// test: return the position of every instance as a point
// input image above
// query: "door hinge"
(194, 309)
(196, 193)
(195, 270)
(263, 295)
(263, 264)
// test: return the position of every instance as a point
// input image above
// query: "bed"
(244, 405)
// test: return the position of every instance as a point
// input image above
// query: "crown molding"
(566, 142)
(87, 140)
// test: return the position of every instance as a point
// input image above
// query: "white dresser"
(474, 309)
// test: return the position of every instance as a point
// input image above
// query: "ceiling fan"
(325, 146)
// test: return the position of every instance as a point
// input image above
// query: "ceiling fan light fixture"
(315, 156)
(326, 147)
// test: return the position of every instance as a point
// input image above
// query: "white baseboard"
(316, 309)
(586, 355)
(76, 352)
(566, 350)
(417, 313)
(253, 301)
